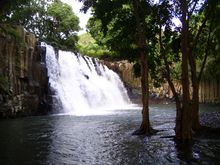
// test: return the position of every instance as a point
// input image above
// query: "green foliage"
(9, 5)
(88, 46)
(209, 39)
(4, 86)
(12, 32)
(113, 25)
(213, 68)
(51, 21)
(63, 25)
(31, 15)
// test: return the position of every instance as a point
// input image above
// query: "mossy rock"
(11, 33)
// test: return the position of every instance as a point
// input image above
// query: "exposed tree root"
(144, 131)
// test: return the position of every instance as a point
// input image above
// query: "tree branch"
(168, 77)
(193, 8)
(195, 41)
(206, 52)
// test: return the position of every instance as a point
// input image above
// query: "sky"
(76, 6)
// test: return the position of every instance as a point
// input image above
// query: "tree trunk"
(170, 82)
(141, 43)
(178, 107)
(183, 128)
(195, 105)
(196, 80)
(145, 124)
(195, 94)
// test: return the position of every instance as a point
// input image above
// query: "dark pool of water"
(101, 140)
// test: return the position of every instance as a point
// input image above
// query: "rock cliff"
(209, 89)
(23, 74)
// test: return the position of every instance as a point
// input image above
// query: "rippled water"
(101, 140)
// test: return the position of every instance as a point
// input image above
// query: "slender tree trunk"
(170, 82)
(178, 104)
(195, 94)
(183, 131)
(195, 107)
(196, 79)
(145, 127)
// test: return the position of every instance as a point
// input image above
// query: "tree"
(141, 12)
(183, 124)
(32, 15)
(125, 22)
(204, 31)
(169, 50)
(62, 25)
(190, 36)
(180, 44)
(50, 20)
(87, 45)
(196, 35)
(196, 38)
(7, 5)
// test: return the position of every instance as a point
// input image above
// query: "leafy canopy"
(113, 26)
(51, 21)
(88, 46)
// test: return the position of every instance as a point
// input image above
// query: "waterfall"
(83, 85)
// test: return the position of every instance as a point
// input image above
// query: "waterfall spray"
(83, 85)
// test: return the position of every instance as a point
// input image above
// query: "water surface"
(101, 140)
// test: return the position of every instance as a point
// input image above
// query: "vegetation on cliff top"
(51, 21)
(87, 45)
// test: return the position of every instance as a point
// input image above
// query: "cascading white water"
(83, 85)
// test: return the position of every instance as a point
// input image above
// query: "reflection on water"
(101, 140)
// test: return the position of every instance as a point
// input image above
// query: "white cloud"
(76, 5)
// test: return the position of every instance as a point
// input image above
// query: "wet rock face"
(23, 75)
(209, 89)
